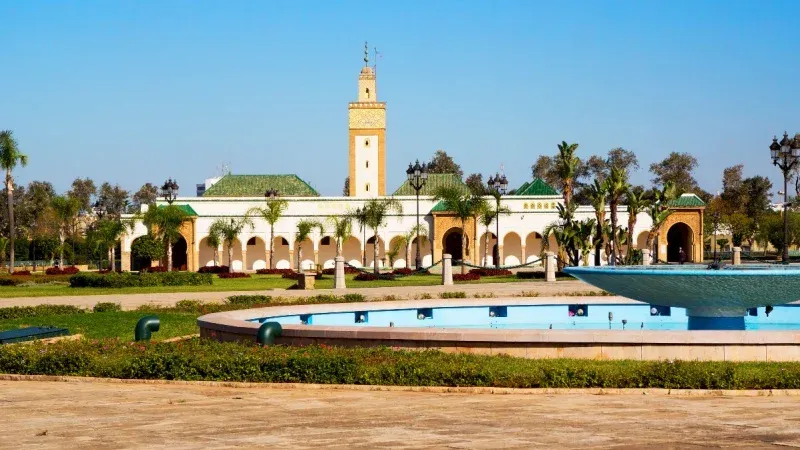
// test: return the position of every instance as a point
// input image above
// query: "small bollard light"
(624, 322)
(492, 313)
(391, 324)
(768, 309)
(610, 318)
(551, 326)
(580, 312)
(654, 311)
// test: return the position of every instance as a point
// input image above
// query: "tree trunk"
(169, 257)
(631, 224)
(61, 250)
(486, 248)
(600, 216)
(463, 246)
(12, 233)
(408, 254)
(216, 256)
(271, 245)
(113, 260)
(109, 259)
(615, 250)
(375, 253)
(230, 257)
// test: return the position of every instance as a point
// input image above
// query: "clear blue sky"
(136, 91)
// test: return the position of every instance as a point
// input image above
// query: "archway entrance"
(179, 258)
(679, 237)
(452, 244)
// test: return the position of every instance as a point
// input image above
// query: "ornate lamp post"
(169, 191)
(498, 185)
(270, 194)
(417, 176)
(785, 154)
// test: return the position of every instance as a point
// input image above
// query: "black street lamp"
(498, 185)
(271, 194)
(99, 209)
(785, 154)
(417, 176)
(169, 191)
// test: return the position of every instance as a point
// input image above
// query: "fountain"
(715, 298)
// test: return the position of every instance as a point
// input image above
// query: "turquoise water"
(542, 317)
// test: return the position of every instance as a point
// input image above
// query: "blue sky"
(132, 92)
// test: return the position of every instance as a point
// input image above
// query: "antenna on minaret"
(366, 54)
(375, 63)
(502, 172)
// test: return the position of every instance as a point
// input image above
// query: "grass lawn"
(110, 324)
(255, 283)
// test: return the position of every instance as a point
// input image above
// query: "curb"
(701, 393)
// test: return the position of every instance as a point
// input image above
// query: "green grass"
(110, 324)
(255, 283)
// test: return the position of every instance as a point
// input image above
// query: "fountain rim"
(655, 271)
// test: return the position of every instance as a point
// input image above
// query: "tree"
(568, 167)
(66, 210)
(545, 168)
(443, 163)
(342, 229)
(376, 211)
(742, 228)
(3, 247)
(636, 204)
(487, 217)
(676, 168)
(164, 223)
(565, 233)
(475, 184)
(83, 190)
(108, 232)
(757, 189)
(271, 214)
(463, 206)
(304, 230)
(600, 167)
(598, 194)
(406, 240)
(214, 240)
(113, 199)
(229, 230)
(617, 187)
(346, 189)
(733, 194)
(146, 195)
(658, 210)
(10, 156)
(150, 248)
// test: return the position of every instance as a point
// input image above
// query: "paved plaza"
(100, 414)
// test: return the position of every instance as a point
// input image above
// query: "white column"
(737, 256)
(646, 259)
(550, 267)
(339, 273)
(447, 269)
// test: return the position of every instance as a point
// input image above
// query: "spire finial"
(366, 54)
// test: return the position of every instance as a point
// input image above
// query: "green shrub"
(126, 279)
(201, 359)
(249, 299)
(18, 312)
(458, 294)
(107, 307)
(353, 298)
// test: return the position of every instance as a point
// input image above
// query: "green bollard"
(145, 327)
(267, 333)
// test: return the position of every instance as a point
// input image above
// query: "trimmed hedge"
(368, 276)
(120, 280)
(107, 307)
(19, 312)
(234, 275)
(469, 276)
(71, 270)
(488, 272)
(213, 269)
(274, 271)
(347, 270)
(21, 273)
(201, 359)
(16, 280)
(531, 275)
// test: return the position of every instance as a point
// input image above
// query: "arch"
(180, 254)
(281, 257)
(533, 247)
(679, 236)
(487, 260)
(256, 253)
(369, 250)
(326, 255)
(512, 249)
(306, 260)
(641, 241)
(400, 259)
(451, 243)
(351, 251)
(236, 262)
(553, 244)
(425, 252)
(138, 262)
(206, 254)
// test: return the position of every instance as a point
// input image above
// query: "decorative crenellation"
(539, 205)
(367, 118)
(367, 105)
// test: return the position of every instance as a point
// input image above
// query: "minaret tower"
(367, 119)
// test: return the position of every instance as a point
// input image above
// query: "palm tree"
(304, 230)
(464, 206)
(636, 204)
(567, 165)
(229, 230)
(375, 213)
(583, 233)
(213, 240)
(164, 223)
(406, 240)
(10, 156)
(598, 193)
(658, 210)
(66, 209)
(486, 219)
(617, 187)
(108, 233)
(564, 233)
(342, 229)
(3, 247)
(272, 214)
(360, 216)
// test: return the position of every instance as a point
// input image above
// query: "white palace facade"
(532, 207)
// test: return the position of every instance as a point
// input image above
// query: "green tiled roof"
(256, 185)
(522, 188)
(435, 181)
(536, 187)
(686, 201)
(440, 207)
(185, 208)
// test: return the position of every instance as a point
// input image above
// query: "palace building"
(532, 207)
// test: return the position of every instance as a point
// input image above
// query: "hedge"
(18, 312)
(213, 269)
(202, 359)
(70, 270)
(126, 279)
(234, 275)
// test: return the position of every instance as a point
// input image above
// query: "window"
(366, 142)
(251, 241)
(367, 187)
(367, 91)
(367, 164)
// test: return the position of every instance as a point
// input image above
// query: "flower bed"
(234, 275)
(120, 280)
(366, 276)
(201, 359)
(530, 275)
(469, 276)
(490, 272)
(156, 269)
(71, 270)
(274, 271)
(347, 270)
(21, 273)
(213, 269)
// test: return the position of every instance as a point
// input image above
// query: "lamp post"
(417, 176)
(359, 213)
(271, 194)
(715, 220)
(785, 155)
(498, 185)
(100, 212)
(169, 191)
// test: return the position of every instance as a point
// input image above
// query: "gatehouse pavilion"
(532, 207)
